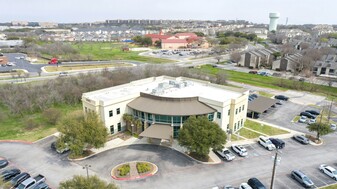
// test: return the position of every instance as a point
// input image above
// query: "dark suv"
(278, 143)
(7, 175)
(281, 97)
(255, 183)
(19, 178)
(313, 112)
(300, 177)
(308, 115)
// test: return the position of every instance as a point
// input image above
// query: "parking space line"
(311, 176)
(286, 185)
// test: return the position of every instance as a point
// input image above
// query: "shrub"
(52, 115)
(143, 167)
(31, 124)
(124, 170)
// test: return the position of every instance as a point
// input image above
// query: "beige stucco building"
(163, 103)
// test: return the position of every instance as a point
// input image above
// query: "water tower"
(273, 21)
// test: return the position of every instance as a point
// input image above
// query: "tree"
(276, 55)
(198, 135)
(52, 115)
(235, 57)
(81, 182)
(320, 128)
(199, 34)
(147, 41)
(79, 130)
(218, 58)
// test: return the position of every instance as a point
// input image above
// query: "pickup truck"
(31, 182)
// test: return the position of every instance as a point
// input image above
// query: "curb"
(16, 141)
(136, 177)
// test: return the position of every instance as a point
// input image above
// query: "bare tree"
(287, 49)
(235, 57)
(218, 58)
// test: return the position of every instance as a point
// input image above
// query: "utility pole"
(86, 166)
(274, 169)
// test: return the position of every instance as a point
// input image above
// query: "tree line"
(36, 97)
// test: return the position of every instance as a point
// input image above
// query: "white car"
(303, 119)
(239, 150)
(245, 186)
(226, 154)
(266, 143)
(333, 126)
(311, 121)
(328, 170)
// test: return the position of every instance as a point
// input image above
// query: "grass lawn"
(112, 51)
(266, 129)
(265, 94)
(296, 118)
(82, 67)
(235, 138)
(334, 186)
(270, 82)
(15, 127)
(248, 133)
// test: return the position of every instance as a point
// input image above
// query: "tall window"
(229, 112)
(234, 126)
(119, 126)
(241, 122)
(239, 109)
(236, 111)
(219, 115)
(110, 113)
(211, 116)
(118, 110)
(112, 129)
(243, 107)
(149, 117)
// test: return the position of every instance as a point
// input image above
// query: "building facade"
(168, 101)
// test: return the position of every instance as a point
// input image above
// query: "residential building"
(287, 63)
(258, 58)
(326, 66)
(164, 103)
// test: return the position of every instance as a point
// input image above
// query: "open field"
(112, 51)
(83, 67)
(15, 127)
(334, 186)
(266, 129)
(271, 82)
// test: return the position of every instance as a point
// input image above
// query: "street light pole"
(86, 166)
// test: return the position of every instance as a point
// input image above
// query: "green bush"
(143, 167)
(124, 170)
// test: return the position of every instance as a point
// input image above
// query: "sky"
(257, 11)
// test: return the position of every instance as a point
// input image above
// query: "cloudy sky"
(66, 11)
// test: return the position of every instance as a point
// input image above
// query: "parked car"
(7, 175)
(59, 150)
(19, 178)
(308, 115)
(313, 112)
(266, 143)
(328, 170)
(303, 119)
(333, 126)
(279, 144)
(41, 185)
(255, 183)
(303, 179)
(311, 121)
(250, 114)
(302, 139)
(253, 72)
(30, 183)
(240, 150)
(279, 103)
(301, 79)
(244, 186)
(3, 163)
(61, 74)
(226, 154)
(281, 97)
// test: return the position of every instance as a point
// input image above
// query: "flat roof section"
(261, 104)
(169, 87)
(158, 131)
(170, 106)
